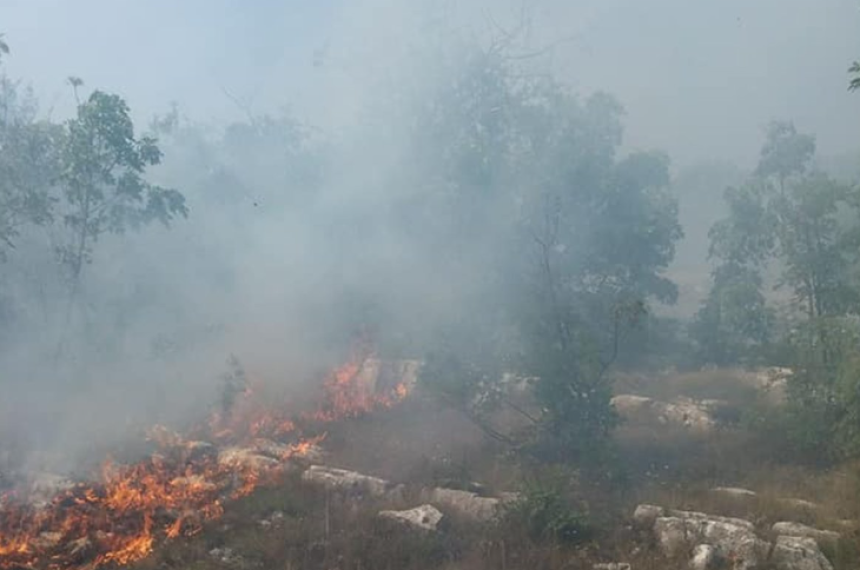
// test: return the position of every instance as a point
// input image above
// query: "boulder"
(683, 412)
(424, 517)
(246, 458)
(611, 566)
(732, 539)
(798, 553)
(800, 504)
(671, 534)
(704, 557)
(645, 515)
(717, 518)
(347, 481)
(735, 492)
(464, 503)
(801, 530)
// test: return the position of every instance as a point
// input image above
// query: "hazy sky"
(698, 78)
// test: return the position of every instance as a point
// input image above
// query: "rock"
(703, 516)
(629, 405)
(226, 555)
(464, 503)
(704, 557)
(47, 540)
(199, 450)
(248, 458)
(196, 482)
(671, 533)
(801, 530)
(735, 492)
(687, 413)
(81, 547)
(347, 481)
(799, 504)
(611, 566)
(274, 519)
(425, 517)
(732, 538)
(645, 515)
(798, 553)
(683, 412)
(771, 382)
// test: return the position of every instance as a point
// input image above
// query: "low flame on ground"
(176, 490)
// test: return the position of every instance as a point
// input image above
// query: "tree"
(102, 180)
(529, 178)
(785, 153)
(855, 81)
(29, 165)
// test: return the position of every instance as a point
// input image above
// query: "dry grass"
(420, 444)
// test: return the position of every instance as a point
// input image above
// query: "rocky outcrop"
(735, 492)
(683, 412)
(798, 553)
(463, 503)
(645, 516)
(730, 538)
(349, 482)
(704, 557)
(424, 517)
(802, 531)
(611, 566)
(714, 541)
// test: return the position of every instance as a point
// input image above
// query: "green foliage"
(525, 171)
(102, 178)
(785, 153)
(855, 81)
(29, 165)
(545, 513)
(822, 420)
(787, 216)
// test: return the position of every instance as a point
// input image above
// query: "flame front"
(172, 493)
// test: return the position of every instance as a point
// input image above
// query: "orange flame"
(174, 492)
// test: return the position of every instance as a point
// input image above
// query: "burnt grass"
(297, 526)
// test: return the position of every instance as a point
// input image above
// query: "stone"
(645, 515)
(802, 504)
(786, 528)
(671, 533)
(424, 517)
(733, 539)
(464, 503)
(798, 553)
(682, 412)
(705, 557)
(735, 492)
(347, 481)
(611, 566)
(247, 458)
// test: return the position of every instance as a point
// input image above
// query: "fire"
(175, 491)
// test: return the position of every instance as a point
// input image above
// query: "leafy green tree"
(855, 81)
(815, 249)
(104, 190)
(734, 322)
(523, 167)
(785, 154)
(29, 164)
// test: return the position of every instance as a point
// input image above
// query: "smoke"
(292, 246)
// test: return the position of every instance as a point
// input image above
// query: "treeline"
(485, 221)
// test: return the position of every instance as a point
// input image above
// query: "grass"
(420, 444)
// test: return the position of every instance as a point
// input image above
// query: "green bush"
(545, 513)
